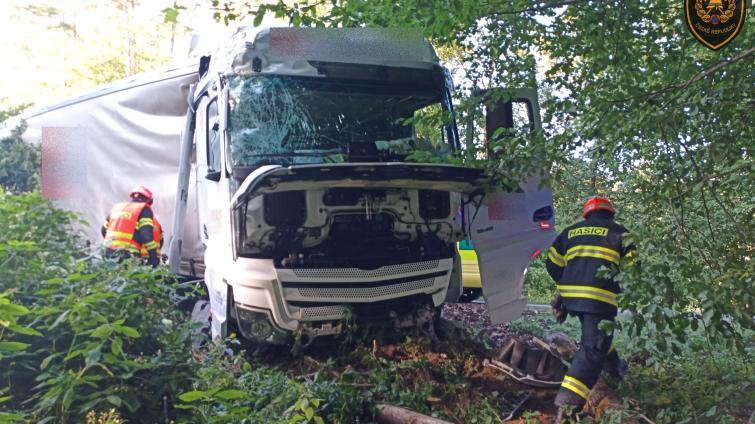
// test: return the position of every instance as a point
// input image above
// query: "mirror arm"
(213, 175)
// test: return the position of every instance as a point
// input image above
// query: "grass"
(697, 386)
(538, 285)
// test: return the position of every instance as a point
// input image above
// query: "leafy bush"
(20, 162)
(694, 388)
(94, 335)
(230, 389)
(538, 285)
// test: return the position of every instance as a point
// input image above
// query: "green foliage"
(89, 335)
(667, 135)
(695, 388)
(20, 162)
(230, 389)
(527, 326)
(538, 285)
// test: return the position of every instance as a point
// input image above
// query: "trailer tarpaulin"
(96, 147)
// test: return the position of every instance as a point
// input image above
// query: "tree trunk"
(389, 414)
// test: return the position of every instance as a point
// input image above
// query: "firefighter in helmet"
(132, 230)
(573, 262)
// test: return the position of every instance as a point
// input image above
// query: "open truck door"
(509, 228)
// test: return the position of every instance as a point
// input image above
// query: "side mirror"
(213, 176)
(501, 113)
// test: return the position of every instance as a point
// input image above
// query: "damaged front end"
(353, 242)
(350, 215)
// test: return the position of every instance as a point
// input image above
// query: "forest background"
(634, 108)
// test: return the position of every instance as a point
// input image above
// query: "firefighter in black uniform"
(573, 262)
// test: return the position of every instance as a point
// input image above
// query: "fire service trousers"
(587, 363)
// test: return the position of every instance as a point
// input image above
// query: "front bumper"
(294, 298)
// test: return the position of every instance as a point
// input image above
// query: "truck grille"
(355, 292)
(325, 312)
(384, 271)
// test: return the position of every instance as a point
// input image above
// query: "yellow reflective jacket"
(575, 258)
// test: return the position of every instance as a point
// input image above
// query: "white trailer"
(284, 183)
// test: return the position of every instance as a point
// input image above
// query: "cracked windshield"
(289, 121)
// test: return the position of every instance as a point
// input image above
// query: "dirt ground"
(464, 343)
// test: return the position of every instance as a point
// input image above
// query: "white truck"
(284, 185)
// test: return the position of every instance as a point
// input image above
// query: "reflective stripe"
(585, 250)
(575, 386)
(556, 258)
(150, 245)
(144, 222)
(591, 247)
(119, 234)
(115, 244)
(588, 292)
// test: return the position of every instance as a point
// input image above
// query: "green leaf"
(15, 309)
(114, 400)
(170, 15)
(12, 346)
(230, 394)
(93, 356)
(74, 354)
(67, 398)
(7, 417)
(712, 411)
(60, 319)
(101, 332)
(46, 362)
(116, 346)
(258, 19)
(192, 395)
(27, 331)
(127, 331)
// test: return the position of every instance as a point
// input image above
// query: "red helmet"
(597, 203)
(141, 192)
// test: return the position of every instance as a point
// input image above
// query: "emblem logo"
(714, 23)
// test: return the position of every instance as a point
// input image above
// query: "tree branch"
(543, 7)
(712, 69)
(696, 78)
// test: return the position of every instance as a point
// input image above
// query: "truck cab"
(310, 211)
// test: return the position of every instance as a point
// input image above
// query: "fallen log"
(389, 414)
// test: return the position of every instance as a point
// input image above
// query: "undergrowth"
(86, 341)
(695, 386)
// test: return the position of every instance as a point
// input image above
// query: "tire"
(469, 295)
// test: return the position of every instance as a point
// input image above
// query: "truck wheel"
(470, 295)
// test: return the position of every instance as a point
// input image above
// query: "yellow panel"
(470, 270)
